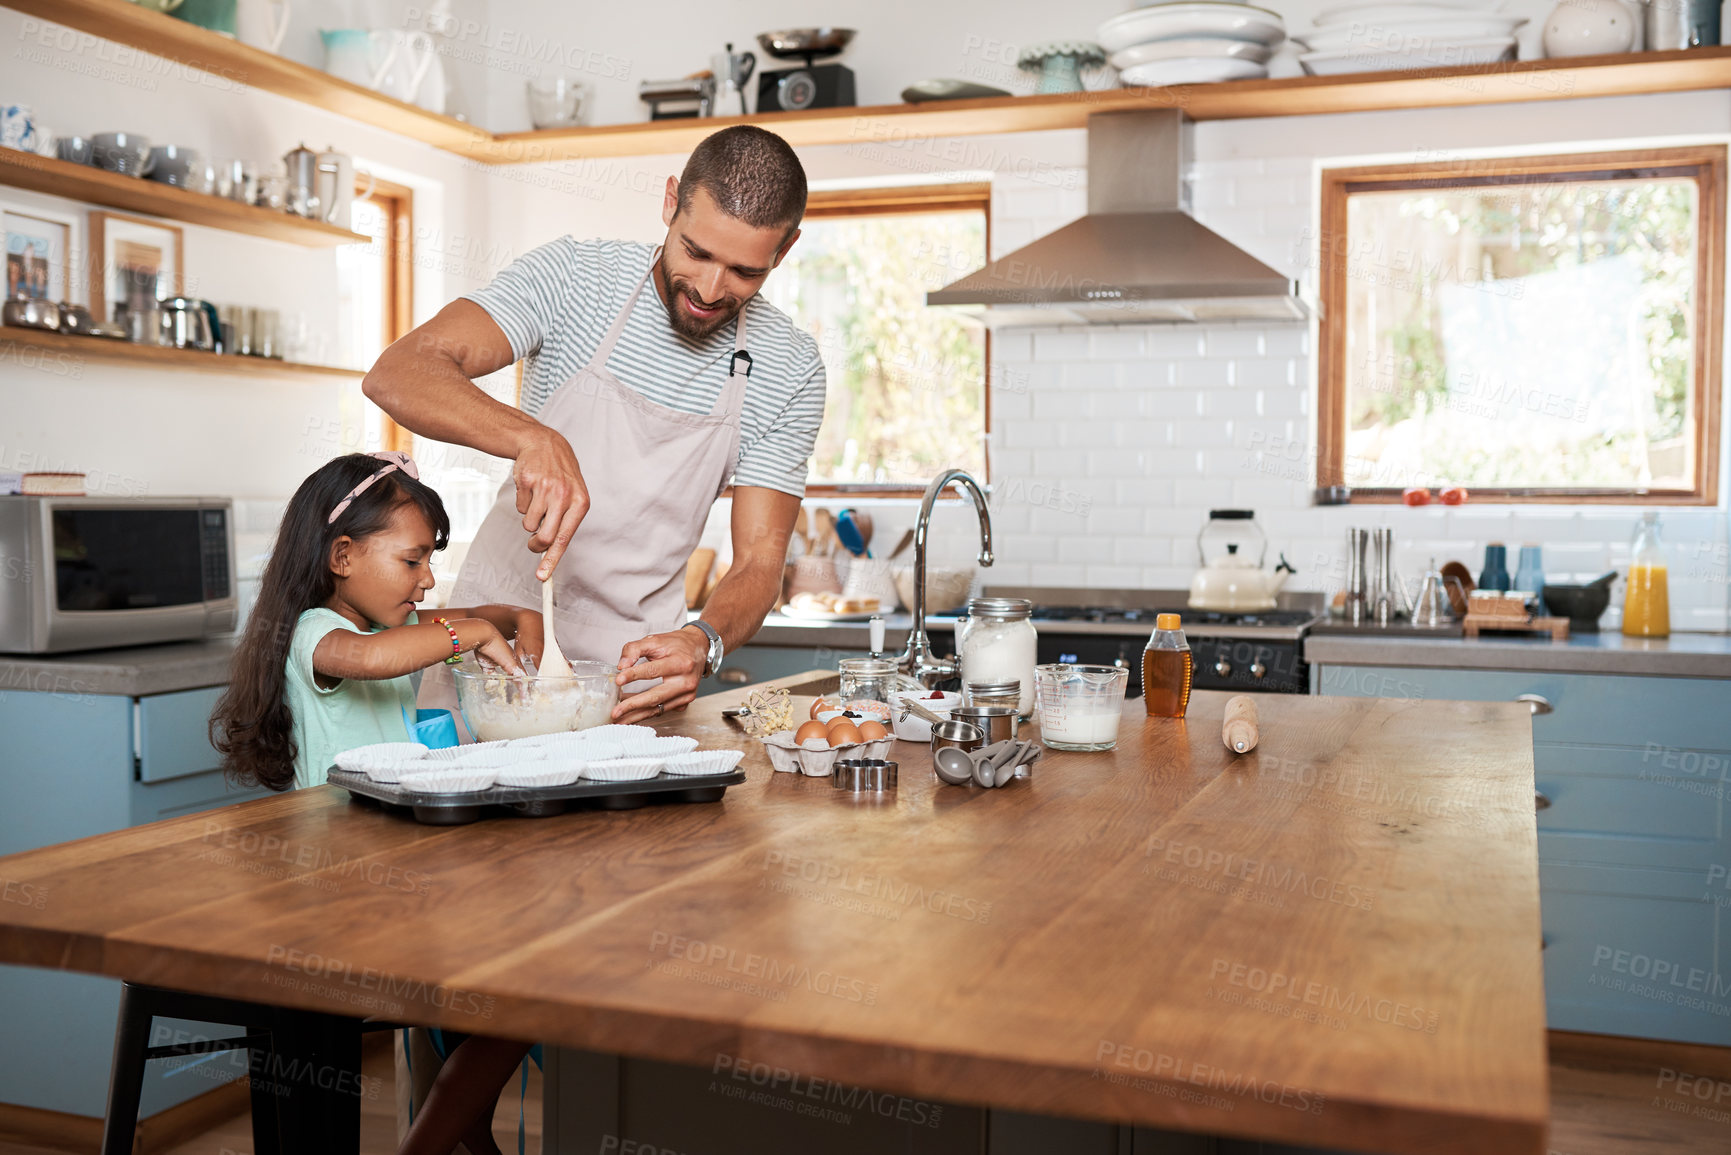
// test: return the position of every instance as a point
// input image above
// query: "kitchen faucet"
(916, 659)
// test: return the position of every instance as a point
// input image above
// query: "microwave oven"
(92, 573)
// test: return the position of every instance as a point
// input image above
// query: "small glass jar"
(873, 679)
(997, 643)
(1007, 693)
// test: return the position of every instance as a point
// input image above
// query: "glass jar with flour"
(997, 643)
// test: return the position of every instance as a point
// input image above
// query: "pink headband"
(397, 460)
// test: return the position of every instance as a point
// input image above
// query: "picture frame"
(133, 259)
(41, 249)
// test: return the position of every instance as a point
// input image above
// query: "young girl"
(324, 667)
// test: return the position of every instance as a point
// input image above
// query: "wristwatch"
(712, 660)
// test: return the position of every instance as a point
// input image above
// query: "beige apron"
(653, 475)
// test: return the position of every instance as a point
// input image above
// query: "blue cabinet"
(1633, 777)
(77, 765)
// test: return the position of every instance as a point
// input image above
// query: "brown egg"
(871, 729)
(843, 733)
(813, 729)
(822, 704)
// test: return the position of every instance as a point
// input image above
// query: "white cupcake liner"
(703, 762)
(613, 731)
(455, 780)
(542, 773)
(623, 769)
(356, 760)
(392, 769)
(465, 753)
(656, 747)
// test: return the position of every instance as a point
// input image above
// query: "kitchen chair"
(304, 1068)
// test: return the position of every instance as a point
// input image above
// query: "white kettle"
(1232, 548)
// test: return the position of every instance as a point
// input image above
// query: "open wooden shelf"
(16, 342)
(99, 187)
(1523, 81)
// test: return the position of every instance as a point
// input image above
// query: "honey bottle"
(1166, 668)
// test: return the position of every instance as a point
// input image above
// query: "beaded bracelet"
(456, 645)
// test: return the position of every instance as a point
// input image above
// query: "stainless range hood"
(1137, 256)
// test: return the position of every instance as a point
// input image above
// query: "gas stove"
(1255, 652)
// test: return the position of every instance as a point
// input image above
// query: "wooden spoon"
(553, 663)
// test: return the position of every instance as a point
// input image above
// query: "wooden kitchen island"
(1332, 941)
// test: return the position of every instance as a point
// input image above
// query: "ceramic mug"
(17, 127)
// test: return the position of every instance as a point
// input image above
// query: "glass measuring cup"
(1079, 706)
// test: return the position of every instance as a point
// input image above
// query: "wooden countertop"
(1332, 940)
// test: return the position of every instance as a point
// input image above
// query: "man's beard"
(686, 325)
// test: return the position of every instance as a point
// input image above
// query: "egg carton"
(815, 757)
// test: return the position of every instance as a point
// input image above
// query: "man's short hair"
(752, 175)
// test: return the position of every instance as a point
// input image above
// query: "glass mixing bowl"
(500, 705)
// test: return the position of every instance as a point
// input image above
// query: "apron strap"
(598, 361)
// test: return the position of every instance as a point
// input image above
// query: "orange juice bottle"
(1167, 666)
(1647, 602)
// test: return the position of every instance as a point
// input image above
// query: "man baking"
(655, 376)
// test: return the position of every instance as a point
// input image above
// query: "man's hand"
(676, 658)
(551, 494)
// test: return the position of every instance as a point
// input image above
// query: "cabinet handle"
(1541, 801)
(1539, 703)
(1544, 942)
(733, 677)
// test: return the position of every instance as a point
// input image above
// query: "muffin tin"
(532, 801)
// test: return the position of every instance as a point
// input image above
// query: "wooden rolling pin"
(1239, 729)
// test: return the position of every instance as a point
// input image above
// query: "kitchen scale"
(812, 85)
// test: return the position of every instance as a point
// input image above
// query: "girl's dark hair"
(252, 725)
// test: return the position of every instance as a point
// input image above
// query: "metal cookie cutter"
(864, 775)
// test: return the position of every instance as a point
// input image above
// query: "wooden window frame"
(1704, 163)
(908, 200)
(399, 294)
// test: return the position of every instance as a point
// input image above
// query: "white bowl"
(1387, 10)
(1439, 55)
(1191, 70)
(1398, 36)
(916, 728)
(1177, 21)
(1197, 48)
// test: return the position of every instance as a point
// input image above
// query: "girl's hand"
(492, 645)
(531, 636)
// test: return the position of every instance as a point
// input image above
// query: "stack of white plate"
(1385, 36)
(1191, 42)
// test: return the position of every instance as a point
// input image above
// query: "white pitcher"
(408, 56)
(262, 23)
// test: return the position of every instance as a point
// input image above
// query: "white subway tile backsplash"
(1113, 576)
(1130, 434)
(1012, 345)
(1091, 375)
(1143, 493)
(1024, 547)
(1174, 341)
(1147, 374)
(1011, 463)
(1120, 404)
(1204, 374)
(1203, 434)
(1211, 494)
(1115, 343)
(1141, 551)
(1060, 346)
(1287, 340)
(1232, 342)
(1090, 549)
(1031, 435)
(1236, 402)
(1060, 405)
(1051, 574)
(1094, 434)
(1059, 464)
(1110, 520)
(1263, 372)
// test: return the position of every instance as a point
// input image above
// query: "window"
(376, 290)
(907, 383)
(1535, 329)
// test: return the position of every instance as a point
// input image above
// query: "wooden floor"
(1623, 1106)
